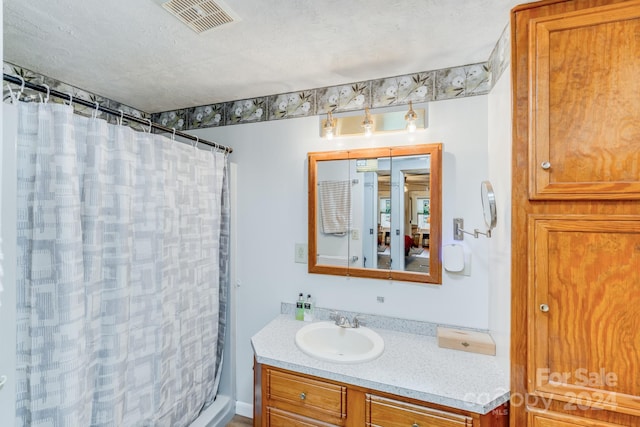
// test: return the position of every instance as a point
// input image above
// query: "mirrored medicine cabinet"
(376, 213)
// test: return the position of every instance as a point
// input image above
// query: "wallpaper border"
(425, 86)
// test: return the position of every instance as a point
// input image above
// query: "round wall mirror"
(488, 204)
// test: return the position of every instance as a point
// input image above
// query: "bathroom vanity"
(412, 383)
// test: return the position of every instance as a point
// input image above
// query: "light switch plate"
(301, 253)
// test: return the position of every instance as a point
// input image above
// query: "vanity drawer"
(383, 412)
(306, 396)
(279, 418)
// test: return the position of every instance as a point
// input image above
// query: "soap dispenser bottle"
(308, 309)
(300, 307)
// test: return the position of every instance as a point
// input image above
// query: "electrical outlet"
(301, 253)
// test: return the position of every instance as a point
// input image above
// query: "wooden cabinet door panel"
(585, 314)
(538, 418)
(584, 104)
(383, 412)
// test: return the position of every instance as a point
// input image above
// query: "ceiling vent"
(201, 15)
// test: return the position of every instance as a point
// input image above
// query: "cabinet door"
(551, 419)
(585, 315)
(383, 412)
(584, 106)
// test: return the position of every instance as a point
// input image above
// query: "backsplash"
(427, 86)
(376, 321)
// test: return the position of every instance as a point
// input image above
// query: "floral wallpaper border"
(426, 86)
(54, 84)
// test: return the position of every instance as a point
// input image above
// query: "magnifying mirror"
(488, 204)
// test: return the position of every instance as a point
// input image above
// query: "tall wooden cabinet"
(576, 214)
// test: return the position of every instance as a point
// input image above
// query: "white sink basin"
(332, 343)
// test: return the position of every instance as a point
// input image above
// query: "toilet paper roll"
(453, 258)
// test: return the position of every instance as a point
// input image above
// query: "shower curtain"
(122, 256)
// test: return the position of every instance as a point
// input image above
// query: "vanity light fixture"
(367, 123)
(329, 126)
(354, 124)
(411, 118)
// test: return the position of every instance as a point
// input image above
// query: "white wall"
(500, 245)
(8, 250)
(272, 217)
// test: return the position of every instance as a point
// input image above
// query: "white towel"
(335, 204)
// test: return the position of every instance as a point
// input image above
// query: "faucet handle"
(358, 320)
(334, 315)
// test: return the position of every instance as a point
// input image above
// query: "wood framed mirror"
(377, 213)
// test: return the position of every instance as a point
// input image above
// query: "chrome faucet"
(344, 322)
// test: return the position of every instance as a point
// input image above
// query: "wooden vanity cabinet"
(289, 399)
(576, 214)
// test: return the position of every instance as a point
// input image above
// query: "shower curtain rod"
(18, 81)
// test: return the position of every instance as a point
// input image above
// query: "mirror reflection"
(373, 213)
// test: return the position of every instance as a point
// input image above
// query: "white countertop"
(411, 366)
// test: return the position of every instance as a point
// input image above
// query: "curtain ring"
(195, 144)
(21, 87)
(11, 94)
(70, 99)
(150, 125)
(173, 137)
(48, 92)
(121, 117)
(95, 112)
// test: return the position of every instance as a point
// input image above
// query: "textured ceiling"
(135, 52)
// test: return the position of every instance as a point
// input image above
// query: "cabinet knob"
(415, 425)
(545, 165)
(303, 396)
(544, 308)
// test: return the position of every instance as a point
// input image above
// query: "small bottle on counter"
(308, 309)
(300, 307)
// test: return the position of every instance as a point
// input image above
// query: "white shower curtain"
(119, 236)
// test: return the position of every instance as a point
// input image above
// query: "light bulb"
(411, 118)
(329, 126)
(367, 123)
